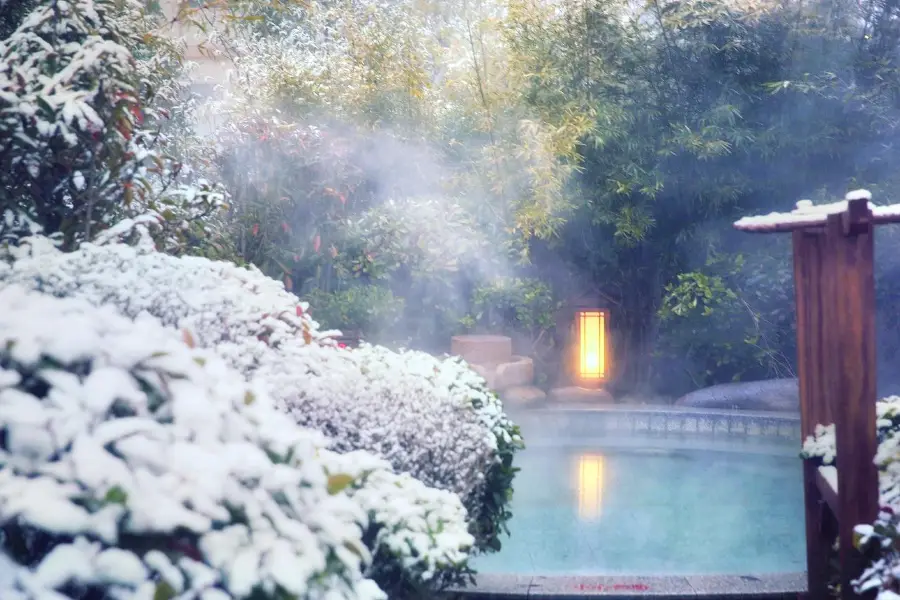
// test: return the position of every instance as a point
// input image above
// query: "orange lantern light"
(590, 347)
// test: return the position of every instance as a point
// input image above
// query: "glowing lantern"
(590, 486)
(590, 347)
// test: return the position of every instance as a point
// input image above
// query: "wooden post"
(835, 298)
(850, 361)
(814, 407)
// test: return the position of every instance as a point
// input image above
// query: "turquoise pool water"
(651, 507)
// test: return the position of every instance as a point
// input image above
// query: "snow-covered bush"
(432, 418)
(135, 464)
(879, 541)
(69, 111)
(123, 448)
(86, 88)
(418, 534)
(239, 312)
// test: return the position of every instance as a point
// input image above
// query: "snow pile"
(156, 470)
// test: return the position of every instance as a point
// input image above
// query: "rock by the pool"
(778, 395)
(525, 395)
(577, 395)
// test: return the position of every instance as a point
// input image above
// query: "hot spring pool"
(654, 493)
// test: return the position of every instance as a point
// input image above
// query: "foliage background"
(419, 168)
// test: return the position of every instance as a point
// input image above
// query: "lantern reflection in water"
(590, 486)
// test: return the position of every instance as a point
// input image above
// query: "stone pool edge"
(556, 421)
(498, 585)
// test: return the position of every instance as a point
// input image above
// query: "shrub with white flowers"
(432, 418)
(879, 541)
(134, 464)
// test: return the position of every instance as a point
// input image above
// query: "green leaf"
(338, 482)
(164, 591)
(44, 105)
(115, 495)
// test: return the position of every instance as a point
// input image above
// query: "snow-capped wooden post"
(835, 299)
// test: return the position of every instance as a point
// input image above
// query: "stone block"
(524, 395)
(482, 349)
(577, 395)
(778, 395)
(489, 374)
(519, 371)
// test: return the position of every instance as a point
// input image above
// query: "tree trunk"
(634, 335)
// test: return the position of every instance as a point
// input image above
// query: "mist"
(437, 202)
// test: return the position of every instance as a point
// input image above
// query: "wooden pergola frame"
(833, 249)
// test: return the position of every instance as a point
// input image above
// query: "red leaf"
(299, 311)
(284, 227)
(255, 229)
(317, 243)
(188, 338)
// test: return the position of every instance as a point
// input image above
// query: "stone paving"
(781, 585)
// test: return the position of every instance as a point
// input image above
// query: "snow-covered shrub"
(418, 534)
(432, 418)
(119, 439)
(822, 445)
(879, 541)
(86, 87)
(239, 312)
(69, 111)
(134, 464)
